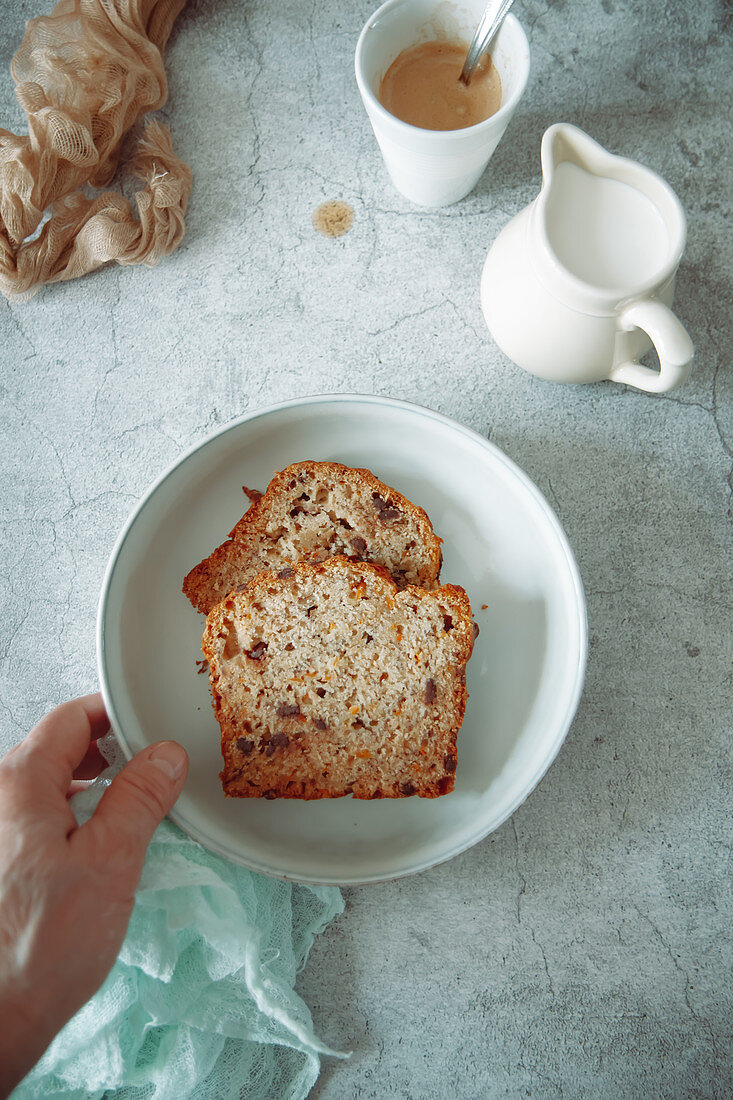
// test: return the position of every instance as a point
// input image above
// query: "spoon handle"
(491, 20)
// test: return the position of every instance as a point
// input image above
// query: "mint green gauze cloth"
(201, 1002)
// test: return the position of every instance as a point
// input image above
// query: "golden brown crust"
(389, 529)
(386, 756)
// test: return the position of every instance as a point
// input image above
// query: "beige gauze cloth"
(84, 74)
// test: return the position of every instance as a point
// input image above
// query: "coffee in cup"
(422, 87)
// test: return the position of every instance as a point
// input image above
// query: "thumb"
(138, 799)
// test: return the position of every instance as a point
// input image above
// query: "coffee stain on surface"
(333, 218)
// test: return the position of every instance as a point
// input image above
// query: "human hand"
(67, 892)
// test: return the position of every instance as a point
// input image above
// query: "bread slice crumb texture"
(312, 511)
(328, 680)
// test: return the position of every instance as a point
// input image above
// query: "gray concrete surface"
(583, 950)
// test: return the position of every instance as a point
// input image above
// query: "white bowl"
(502, 542)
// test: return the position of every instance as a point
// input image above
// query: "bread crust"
(387, 529)
(286, 728)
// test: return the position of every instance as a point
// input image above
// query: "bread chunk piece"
(311, 511)
(328, 680)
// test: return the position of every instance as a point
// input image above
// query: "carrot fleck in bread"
(312, 511)
(328, 680)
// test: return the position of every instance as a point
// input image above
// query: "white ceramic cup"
(436, 167)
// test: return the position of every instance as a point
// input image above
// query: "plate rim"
(580, 609)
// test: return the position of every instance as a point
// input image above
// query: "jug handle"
(671, 340)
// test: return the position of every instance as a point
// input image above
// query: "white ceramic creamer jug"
(578, 285)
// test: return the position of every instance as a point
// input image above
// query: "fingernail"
(170, 757)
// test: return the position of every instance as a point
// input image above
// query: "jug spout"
(564, 143)
(607, 229)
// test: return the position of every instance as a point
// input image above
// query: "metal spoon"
(491, 20)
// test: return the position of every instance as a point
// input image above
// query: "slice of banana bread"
(313, 510)
(328, 680)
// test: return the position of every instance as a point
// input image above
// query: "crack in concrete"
(464, 320)
(681, 970)
(16, 324)
(547, 969)
(533, 1072)
(682, 593)
(367, 256)
(6, 650)
(67, 603)
(308, 169)
(406, 317)
(77, 504)
(724, 443)
(449, 213)
(28, 421)
(154, 425)
(521, 877)
(712, 411)
(10, 713)
(252, 170)
(115, 350)
(553, 494)
(314, 7)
